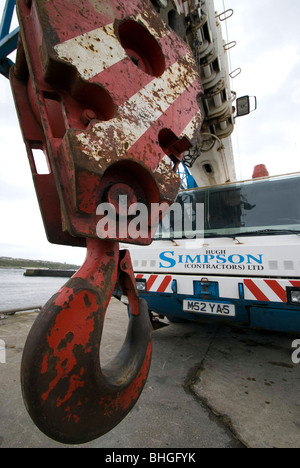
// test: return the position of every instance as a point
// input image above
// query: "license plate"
(211, 308)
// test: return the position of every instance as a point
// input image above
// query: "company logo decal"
(212, 260)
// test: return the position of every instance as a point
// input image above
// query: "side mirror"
(244, 105)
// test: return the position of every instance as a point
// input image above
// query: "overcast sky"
(268, 52)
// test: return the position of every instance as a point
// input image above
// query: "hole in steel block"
(142, 48)
(173, 146)
(40, 161)
(208, 168)
(97, 99)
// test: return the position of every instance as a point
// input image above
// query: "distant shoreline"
(15, 263)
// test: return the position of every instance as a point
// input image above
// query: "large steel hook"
(69, 396)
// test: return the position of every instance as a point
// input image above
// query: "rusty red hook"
(67, 393)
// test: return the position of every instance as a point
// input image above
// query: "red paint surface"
(78, 319)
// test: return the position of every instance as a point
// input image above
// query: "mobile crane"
(240, 261)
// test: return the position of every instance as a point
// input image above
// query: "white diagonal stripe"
(92, 52)
(95, 51)
(192, 126)
(137, 114)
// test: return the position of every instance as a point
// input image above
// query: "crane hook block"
(69, 396)
(110, 95)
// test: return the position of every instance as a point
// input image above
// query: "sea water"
(17, 290)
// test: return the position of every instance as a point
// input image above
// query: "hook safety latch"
(69, 396)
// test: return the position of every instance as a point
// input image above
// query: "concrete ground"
(210, 385)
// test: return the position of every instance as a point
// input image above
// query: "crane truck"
(240, 262)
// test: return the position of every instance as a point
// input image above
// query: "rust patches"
(67, 393)
(134, 389)
(76, 381)
(83, 56)
(79, 335)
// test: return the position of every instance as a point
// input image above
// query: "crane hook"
(66, 392)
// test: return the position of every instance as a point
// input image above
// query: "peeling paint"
(142, 110)
(91, 53)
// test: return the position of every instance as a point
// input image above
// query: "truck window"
(256, 207)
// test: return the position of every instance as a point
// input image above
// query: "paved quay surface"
(210, 385)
